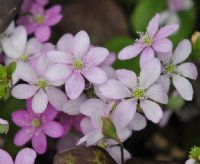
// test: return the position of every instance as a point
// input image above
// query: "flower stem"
(122, 151)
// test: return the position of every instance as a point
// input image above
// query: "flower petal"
(26, 156)
(81, 44)
(130, 51)
(59, 57)
(96, 55)
(71, 107)
(124, 113)
(164, 57)
(164, 81)
(9, 48)
(114, 89)
(75, 85)
(56, 97)
(146, 55)
(188, 70)
(166, 31)
(23, 136)
(182, 51)
(153, 25)
(95, 75)
(43, 33)
(53, 129)
(40, 101)
(157, 93)
(183, 87)
(5, 158)
(127, 77)
(162, 45)
(151, 110)
(150, 73)
(58, 72)
(24, 91)
(138, 122)
(39, 143)
(50, 113)
(33, 47)
(65, 43)
(21, 118)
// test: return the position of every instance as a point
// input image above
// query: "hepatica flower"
(173, 69)
(40, 21)
(25, 156)
(135, 91)
(154, 40)
(40, 89)
(75, 60)
(35, 127)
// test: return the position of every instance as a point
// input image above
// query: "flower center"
(170, 69)
(42, 84)
(146, 38)
(78, 64)
(39, 19)
(36, 123)
(23, 58)
(138, 93)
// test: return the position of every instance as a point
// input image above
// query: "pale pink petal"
(59, 57)
(150, 73)
(56, 97)
(124, 113)
(58, 72)
(40, 101)
(91, 138)
(19, 39)
(29, 75)
(95, 75)
(9, 48)
(21, 118)
(96, 55)
(39, 143)
(162, 45)
(164, 81)
(65, 43)
(151, 110)
(130, 51)
(86, 125)
(190, 161)
(5, 158)
(157, 93)
(26, 156)
(43, 33)
(116, 154)
(75, 85)
(153, 25)
(123, 134)
(138, 122)
(188, 70)
(81, 44)
(182, 51)
(53, 129)
(71, 107)
(183, 87)
(127, 77)
(23, 136)
(165, 57)
(114, 89)
(33, 47)
(24, 91)
(166, 31)
(147, 54)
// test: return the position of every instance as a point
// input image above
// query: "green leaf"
(3, 72)
(175, 103)
(118, 43)
(11, 68)
(109, 129)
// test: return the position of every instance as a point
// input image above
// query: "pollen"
(42, 84)
(36, 123)
(170, 69)
(39, 19)
(138, 93)
(78, 64)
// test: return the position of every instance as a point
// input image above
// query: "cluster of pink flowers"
(76, 78)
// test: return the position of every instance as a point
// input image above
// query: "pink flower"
(40, 21)
(74, 61)
(173, 69)
(137, 91)
(39, 88)
(153, 41)
(25, 156)
(92, 125)
(35, 127)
